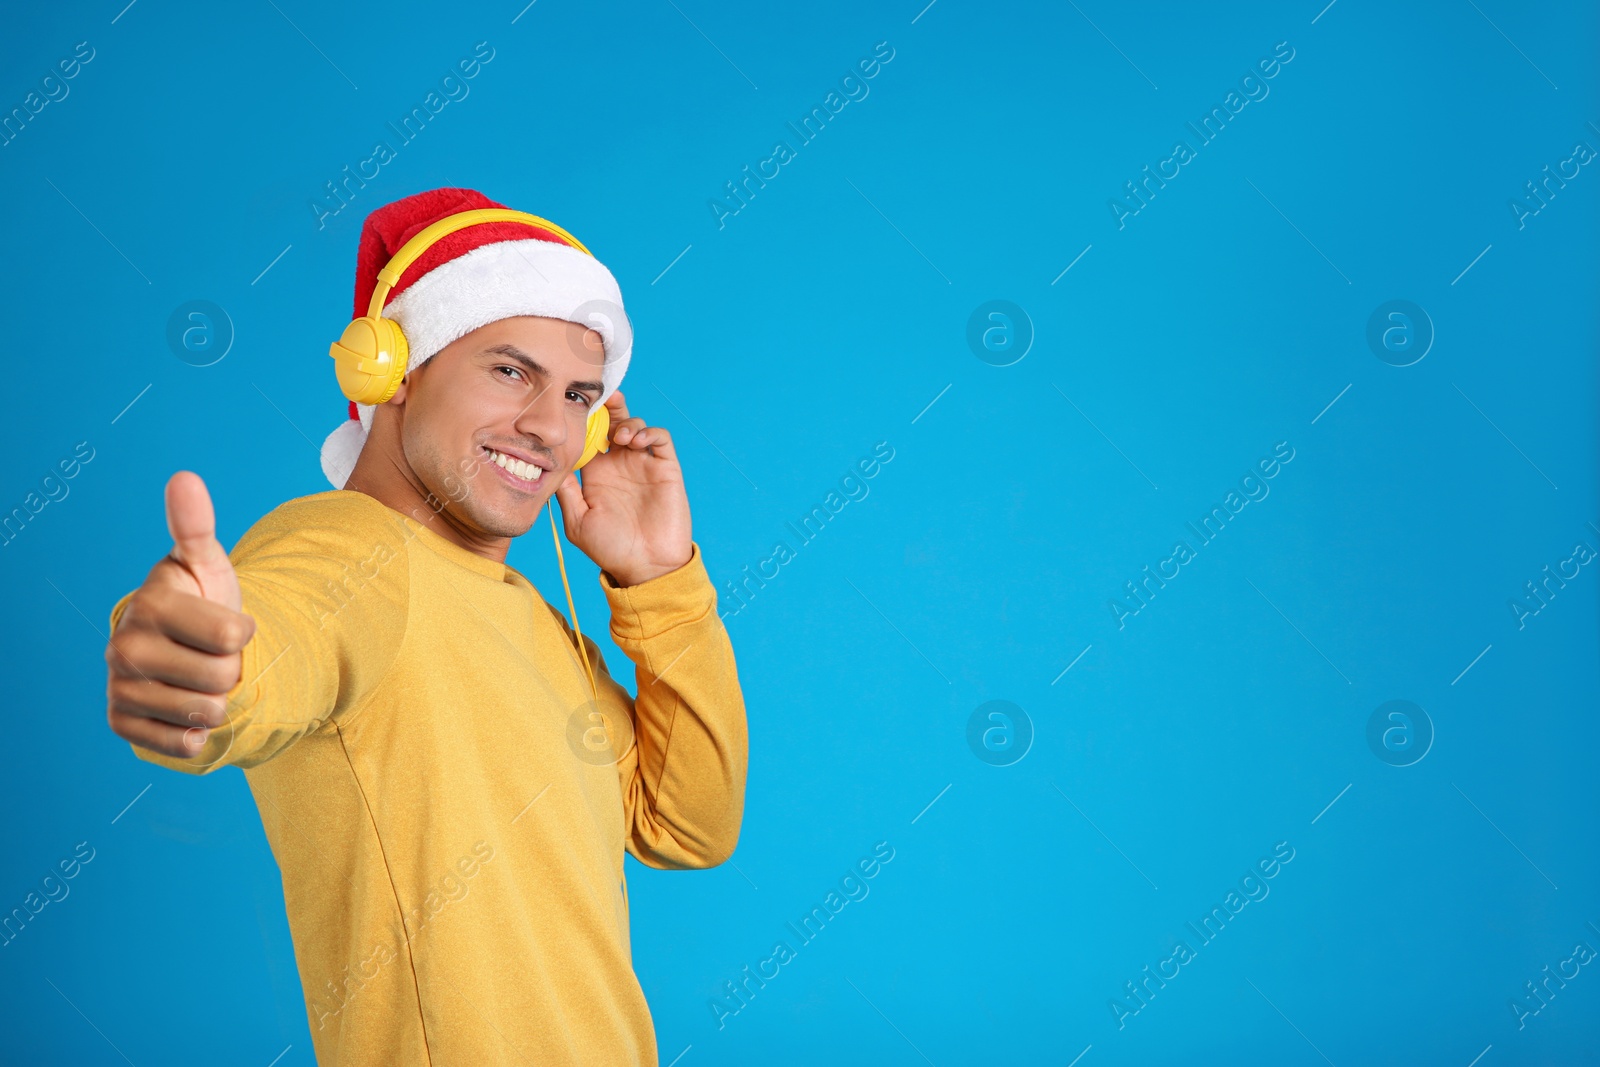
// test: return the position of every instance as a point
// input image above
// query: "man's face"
(519, 389)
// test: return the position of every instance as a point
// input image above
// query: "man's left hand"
(629, 513)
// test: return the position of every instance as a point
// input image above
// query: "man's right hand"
(177, 648)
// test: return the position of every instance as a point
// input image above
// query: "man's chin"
(515, 516)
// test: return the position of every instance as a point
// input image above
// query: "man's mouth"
(520, 473)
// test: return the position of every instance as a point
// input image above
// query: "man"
(447, 799)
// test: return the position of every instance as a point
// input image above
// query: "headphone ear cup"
(596, 433)
(370, 359)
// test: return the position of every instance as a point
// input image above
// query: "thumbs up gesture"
(177, 649)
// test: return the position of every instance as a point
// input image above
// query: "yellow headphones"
(371, 357)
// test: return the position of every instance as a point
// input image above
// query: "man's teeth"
(516, 466)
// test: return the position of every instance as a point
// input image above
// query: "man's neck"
(381, 472)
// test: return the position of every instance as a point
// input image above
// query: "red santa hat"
(469, 279)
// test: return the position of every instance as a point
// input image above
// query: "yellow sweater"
(448, 812)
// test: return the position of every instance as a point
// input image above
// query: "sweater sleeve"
(683, 780)
(328, 589)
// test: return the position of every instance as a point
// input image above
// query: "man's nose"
(544, 419)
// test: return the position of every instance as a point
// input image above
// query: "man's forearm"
(686, 802)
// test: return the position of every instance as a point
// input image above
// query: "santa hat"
(469, 279)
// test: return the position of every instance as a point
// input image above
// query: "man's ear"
(400, 391)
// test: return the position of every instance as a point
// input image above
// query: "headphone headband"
(413, 249)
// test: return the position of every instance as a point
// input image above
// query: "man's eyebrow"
(511, 351)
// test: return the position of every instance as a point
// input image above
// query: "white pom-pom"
(340, 451)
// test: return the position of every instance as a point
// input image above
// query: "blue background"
(780, 348)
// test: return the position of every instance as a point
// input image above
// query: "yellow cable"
(571, 610)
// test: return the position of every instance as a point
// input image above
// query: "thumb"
(193, 525)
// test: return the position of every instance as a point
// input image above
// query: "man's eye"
(513, 370)
(581, 398)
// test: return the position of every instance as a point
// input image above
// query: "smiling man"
(447, 790)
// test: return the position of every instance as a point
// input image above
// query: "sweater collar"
(453, 552)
